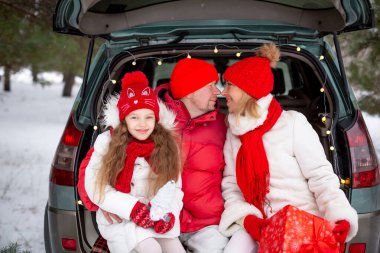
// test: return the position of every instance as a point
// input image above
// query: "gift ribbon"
(319, 244)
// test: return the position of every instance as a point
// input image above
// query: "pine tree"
(363, 47)
(27, 40)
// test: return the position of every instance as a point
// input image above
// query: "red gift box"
(292, 230)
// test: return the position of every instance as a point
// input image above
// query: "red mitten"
(163, 226)
(340, 232)
(253, 225)
(140, 215)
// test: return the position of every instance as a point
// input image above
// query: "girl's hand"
(140, 215)
(163, 226)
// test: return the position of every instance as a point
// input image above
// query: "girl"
(129, 164)
(273, 158)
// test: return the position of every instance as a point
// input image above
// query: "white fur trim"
(111, 114)
(102, 142)
(167, 116)
(247, 123)
(231, 215)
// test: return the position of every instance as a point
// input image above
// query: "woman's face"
(233, 96)
(140, 123)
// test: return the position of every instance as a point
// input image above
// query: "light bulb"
(95, 128)
(322, 89)
(324, 119)
(321, 57)
(80, 202)
(159, 62)
(188, 56)
(328, 132)
(298, 49)
(238, 54)
(134, 63)
(113, 81)
(332, 148)
(216, 50)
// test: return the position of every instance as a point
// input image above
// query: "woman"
(273, 159)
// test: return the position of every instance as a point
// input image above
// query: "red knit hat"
(254, 74)
(136, 94)
(191, 74)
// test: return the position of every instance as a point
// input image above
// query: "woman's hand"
(340, 232)
(254, 225)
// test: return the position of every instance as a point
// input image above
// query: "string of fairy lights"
(217, 49)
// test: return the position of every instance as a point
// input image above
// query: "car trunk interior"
(300, 85)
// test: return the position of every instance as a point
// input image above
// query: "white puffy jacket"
(300, 174)
(124, 236)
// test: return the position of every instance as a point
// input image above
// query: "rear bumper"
(369, 232)
(63, 224)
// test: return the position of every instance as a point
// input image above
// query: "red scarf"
(134, 149)
(252, 169)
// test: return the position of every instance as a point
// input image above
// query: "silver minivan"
(152, 36)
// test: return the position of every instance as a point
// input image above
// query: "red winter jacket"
(202, 152)
(80, 185)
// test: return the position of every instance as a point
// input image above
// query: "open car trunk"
(299, 78)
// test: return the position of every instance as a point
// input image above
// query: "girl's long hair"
(164, 160)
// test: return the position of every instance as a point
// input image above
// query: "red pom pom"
(134, 78)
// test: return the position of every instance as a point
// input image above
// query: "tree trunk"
(34, 73)
(68, 79)
(7, 78)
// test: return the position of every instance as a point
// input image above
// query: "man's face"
(203, 100)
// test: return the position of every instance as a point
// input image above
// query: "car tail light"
(62, 172)
(357, 248)
(365, 170)
(69, 244)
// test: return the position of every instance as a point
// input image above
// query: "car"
(152, 36)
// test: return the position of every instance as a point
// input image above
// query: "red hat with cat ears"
(136, 94)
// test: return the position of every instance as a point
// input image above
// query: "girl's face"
(233, 96)
(140, 123)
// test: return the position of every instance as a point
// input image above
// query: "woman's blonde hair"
(248, 104)
(247, 107)
(165, 159)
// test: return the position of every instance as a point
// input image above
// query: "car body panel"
(62, 197)
(101, 17)
(366, 200)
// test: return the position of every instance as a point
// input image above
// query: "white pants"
(242, 242)
(206, 240)
(160, 245)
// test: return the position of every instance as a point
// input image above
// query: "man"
(192, 95)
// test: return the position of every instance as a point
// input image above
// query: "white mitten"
(160, 204)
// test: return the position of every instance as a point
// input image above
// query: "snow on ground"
(373, 125)
(32, 119)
